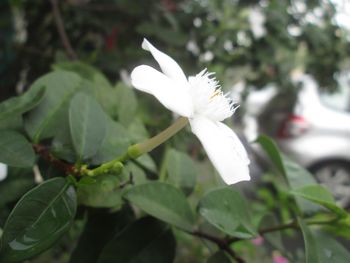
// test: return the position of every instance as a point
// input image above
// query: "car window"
(339, 100)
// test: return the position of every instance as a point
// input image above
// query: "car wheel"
(336, 177)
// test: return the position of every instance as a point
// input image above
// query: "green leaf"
(330, 250)
(12, 189)
(311, 255)
(296, 175)
(104, 92)
(127, 103)
(181, 170)
(99, 229)
(320, 195)
(226, 209)
(272, 151)
(114, 144)
(38, 220)
(220, 257)
(163, 201)
(322, 248)
(15, 150)
(49, 116)
(104, 192)
(146, 240)
(62, 145)
(87, 125)
(19, 105)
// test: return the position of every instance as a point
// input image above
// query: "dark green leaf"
(15, 150)
(38, 220)
(49, 116)
(330, 250)
(100, 227)
(322, 248)
(272, 151)
(319, 195)
(62, 145)
(181, 170)
(146, 240)
(104, 192)
(87, 125)
(220, 257)
(226, 209)
(162, 201)
(104, 92)
(19, 105)
(12, 190)
(296, 175)
(311, 254)
(115, 143)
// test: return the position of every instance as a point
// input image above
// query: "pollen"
(208, 97)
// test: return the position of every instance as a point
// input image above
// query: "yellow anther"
(217, 92)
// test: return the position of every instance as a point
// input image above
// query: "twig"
(221, 243)
(62, 32)
(293, 224)
(47, 156)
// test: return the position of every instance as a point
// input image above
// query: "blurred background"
(286, 62)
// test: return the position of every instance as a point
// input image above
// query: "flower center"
(208, 98)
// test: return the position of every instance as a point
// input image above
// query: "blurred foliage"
(258, 42)
(78, 117)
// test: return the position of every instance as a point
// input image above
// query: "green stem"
(136, 150)
(139, 149)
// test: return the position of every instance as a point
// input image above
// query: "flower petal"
(3, 171)
(168, 65)
(224, 149)
(167, 91)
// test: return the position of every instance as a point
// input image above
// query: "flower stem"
(139, 149)
(136, 150)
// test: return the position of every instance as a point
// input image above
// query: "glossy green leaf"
(115, 143)
(101, 226)
(104, 192)
(226, 209)
(38, 220)
(87, 125)
(146, 240)
(220, 257)
(15, 150)
(163, 201)
(181, 170)
(21, 104)
(50, 115)
(320, 195)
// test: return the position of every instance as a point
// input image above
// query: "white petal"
(167, 91)
(3, 171)
(224, 149)
(166, 63)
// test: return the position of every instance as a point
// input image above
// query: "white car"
(313, 128)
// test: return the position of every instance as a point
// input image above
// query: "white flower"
(3, 171)
(200, 99)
